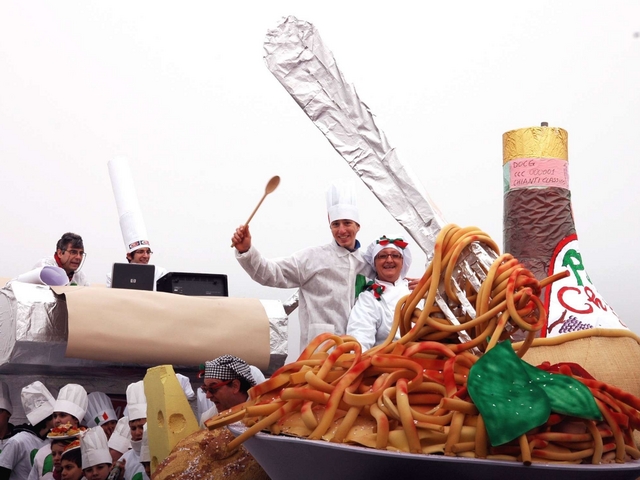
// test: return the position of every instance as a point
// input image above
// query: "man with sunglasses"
(226, 382)
(372, 316)
(69, 256)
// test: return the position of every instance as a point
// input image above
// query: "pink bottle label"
(536, 172)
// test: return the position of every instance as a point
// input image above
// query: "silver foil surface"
(33, 342)
(306, 68)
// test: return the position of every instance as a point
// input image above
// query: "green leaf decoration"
(499, 387)
(514, 397)
(567, 395)
(361, 283)
(47, 465)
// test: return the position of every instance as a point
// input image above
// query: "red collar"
(57, 259)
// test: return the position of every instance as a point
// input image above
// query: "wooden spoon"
(271, 186)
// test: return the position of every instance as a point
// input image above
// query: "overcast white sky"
(181, 89)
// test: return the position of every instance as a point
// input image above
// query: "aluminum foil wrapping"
(306, 68)
(278, 338)
(33, 342)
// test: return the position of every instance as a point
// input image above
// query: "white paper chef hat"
(145, 453)
(37, 402)
(136, 401)
(72, 399)
(94, 448)
(99, 410)
(134, 231)
(341, 202)
(397, 242)
(5, 398)
(120, 439)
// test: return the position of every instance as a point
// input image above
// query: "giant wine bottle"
(539, 228)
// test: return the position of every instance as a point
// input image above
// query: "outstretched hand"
(413, 283)
(241, 239)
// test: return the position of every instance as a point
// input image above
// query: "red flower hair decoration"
(398, 242)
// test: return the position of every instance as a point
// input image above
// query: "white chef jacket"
(40, 464)
(159, 272)
(133, 469)
(371, 319)
(16, 454)
(78, 278)
(326, 277)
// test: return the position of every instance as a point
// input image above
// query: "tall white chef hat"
(37, 402)
(341, 202)
(136, 401)
(134, 231)
(120, 439)
(5, 398)
(94, 448)
(145, 453)
(72, 399)
(99, 410)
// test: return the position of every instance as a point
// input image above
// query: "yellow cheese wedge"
(169, 415)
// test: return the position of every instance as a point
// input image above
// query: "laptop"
(133, 276)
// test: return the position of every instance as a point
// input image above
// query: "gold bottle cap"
(535, 142)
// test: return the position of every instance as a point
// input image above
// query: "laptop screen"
(133, 276)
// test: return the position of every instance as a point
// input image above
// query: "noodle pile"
(411, 395)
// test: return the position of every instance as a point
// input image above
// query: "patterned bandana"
(228, 367)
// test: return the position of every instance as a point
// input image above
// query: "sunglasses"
(214, 388)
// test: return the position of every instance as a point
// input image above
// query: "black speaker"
(198, 284)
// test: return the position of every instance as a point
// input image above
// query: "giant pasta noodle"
(411, 394)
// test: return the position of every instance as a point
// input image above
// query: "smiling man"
(372, 316)
(70, 257)
(325, 275)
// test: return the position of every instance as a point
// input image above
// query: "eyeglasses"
(143, 251)
(214, 388)
(384, 256)
(75, 253)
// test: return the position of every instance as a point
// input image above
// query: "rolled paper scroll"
(47, 275)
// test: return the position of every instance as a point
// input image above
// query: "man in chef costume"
(134, 231)
(326, 275)
(15, 458)
(137, 413)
